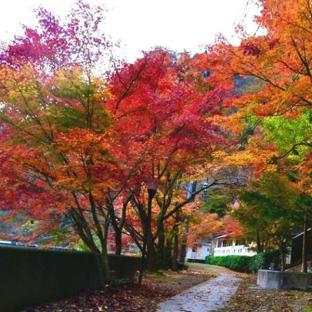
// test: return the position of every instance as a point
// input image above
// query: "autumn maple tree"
(162, 130)
(108, 150)
(277, 102)
(53, 135)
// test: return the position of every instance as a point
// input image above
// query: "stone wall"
(284, 280)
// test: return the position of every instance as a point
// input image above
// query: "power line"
(245, 13)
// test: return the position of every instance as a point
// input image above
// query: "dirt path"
(208, 296)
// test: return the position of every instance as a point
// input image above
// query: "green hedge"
(246, 264)
(32, 276)
(235, 263)
(263, 260)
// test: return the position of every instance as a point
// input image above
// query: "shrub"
(257, 262)
(246, 264)
(235, 263)
(263, 260)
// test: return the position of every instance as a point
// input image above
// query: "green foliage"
(251, 122)
(263, 260)
(66, 118)
(217, 203)
(235, 263)
(274, 187)
(285, 133)
(82, 246)
(267, 213)
(258, 262)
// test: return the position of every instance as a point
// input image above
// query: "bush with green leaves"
(247, 264)
(263, 260)
(235, 263)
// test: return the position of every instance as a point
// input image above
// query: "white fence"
(237, 250)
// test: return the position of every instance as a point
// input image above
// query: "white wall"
(201, 252)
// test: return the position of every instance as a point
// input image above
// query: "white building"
(223, 246)
(219, 246)
(199, 252)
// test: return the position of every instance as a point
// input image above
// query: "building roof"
(221, 236)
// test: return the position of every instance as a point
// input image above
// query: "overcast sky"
(142, 24)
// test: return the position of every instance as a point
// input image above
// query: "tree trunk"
(176, 242)
(152, 261)
(161, 243)
(304, 267)
(168, 252)
(101, 256)
(259, 246)
(118, 241)
(104, 254)
(282, 261)
(282, 255)
(106, 268)
(148, 243)
(184, 241)
(103, 267)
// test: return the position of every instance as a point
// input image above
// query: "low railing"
(237, 250)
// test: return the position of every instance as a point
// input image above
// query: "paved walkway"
(209, 296)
